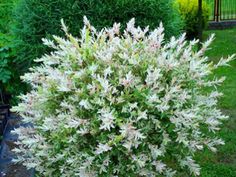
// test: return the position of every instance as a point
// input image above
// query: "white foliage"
(112, 104)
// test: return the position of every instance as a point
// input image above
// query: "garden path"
(7, 167)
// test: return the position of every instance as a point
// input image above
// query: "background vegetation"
(189, 13)
(37, 19)
(9, 76)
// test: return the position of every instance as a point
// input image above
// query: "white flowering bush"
(112, 104)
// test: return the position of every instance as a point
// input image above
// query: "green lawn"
(223, 163)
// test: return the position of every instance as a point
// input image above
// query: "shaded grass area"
(223, 163)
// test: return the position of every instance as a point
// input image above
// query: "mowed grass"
(223, 162)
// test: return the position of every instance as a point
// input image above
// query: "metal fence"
(222, 10)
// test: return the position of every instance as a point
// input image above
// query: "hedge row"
(37, 19)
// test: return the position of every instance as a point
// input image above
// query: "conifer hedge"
(37, 19)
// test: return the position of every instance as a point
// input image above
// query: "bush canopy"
(114, 103)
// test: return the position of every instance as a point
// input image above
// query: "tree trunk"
(200, 25)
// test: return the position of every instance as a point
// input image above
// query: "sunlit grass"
(223, 163)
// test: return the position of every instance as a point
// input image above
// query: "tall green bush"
(36, 19)
(9, 77)
(189, 13)
(5, 9)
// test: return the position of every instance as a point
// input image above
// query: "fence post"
(217, 11)
(200, 26)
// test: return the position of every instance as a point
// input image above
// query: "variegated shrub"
(111, 104)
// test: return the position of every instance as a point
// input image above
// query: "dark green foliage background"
(37, 19)
(5, 40)
(9, 76)
(25, 22)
